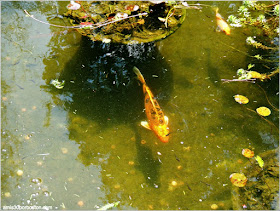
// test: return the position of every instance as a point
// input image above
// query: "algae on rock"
(126, 22)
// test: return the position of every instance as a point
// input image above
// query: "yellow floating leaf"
(263, 111)
(248, 153)
(254, 74)
(238, 179)
(260, 161)
(241, 99)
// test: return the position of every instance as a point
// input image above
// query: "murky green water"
(85, 143)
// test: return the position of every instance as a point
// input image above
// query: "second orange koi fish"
(222, 24)
(157, 122)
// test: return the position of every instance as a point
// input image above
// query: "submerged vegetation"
(261, 192)
(262, 23)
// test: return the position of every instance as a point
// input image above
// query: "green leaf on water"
(260, 161)
(258, 57)
(250, 66)
(108, 206)
(57, 84)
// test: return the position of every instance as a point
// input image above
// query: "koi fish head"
(227, 30)
(223, 26)
(162, 132)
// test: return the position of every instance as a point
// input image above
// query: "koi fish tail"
(218, 16)
(216, 10)
(139, 75)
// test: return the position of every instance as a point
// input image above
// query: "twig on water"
(31, 16)
(93, 26)
(253, 80)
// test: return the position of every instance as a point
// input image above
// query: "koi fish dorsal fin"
(139, 75)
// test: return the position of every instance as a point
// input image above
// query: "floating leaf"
(250, 66)
(260, 161)
(254, 74)
(238, 179)
(258, 57)
(263, 111)
(241, 99)
(108, 206)
(248, 153)
(73, 6)
(57, 84)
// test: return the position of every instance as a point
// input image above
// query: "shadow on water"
(147, 164)
(101, 85)
(212, 70)
(101, 88)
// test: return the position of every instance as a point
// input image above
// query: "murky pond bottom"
(82, 146)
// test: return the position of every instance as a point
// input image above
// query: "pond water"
(82, 146)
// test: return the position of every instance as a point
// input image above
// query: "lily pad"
(241, 99)
(248, 153)
(238, 179)
(263, 111)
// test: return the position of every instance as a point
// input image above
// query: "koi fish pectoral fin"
(218, 29)
(146, 125)
(166, 119)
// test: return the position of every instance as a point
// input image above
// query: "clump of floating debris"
(126, 22)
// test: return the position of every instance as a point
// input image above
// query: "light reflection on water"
(85, 142)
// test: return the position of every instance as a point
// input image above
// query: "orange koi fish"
(222, 24)
(157, 122)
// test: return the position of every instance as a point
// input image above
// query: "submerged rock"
(126, 22)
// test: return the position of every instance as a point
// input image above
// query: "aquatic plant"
(261, 111)
(259, 161)
(267, 23)
(262, 187)
(262, 21)
(127, 21)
